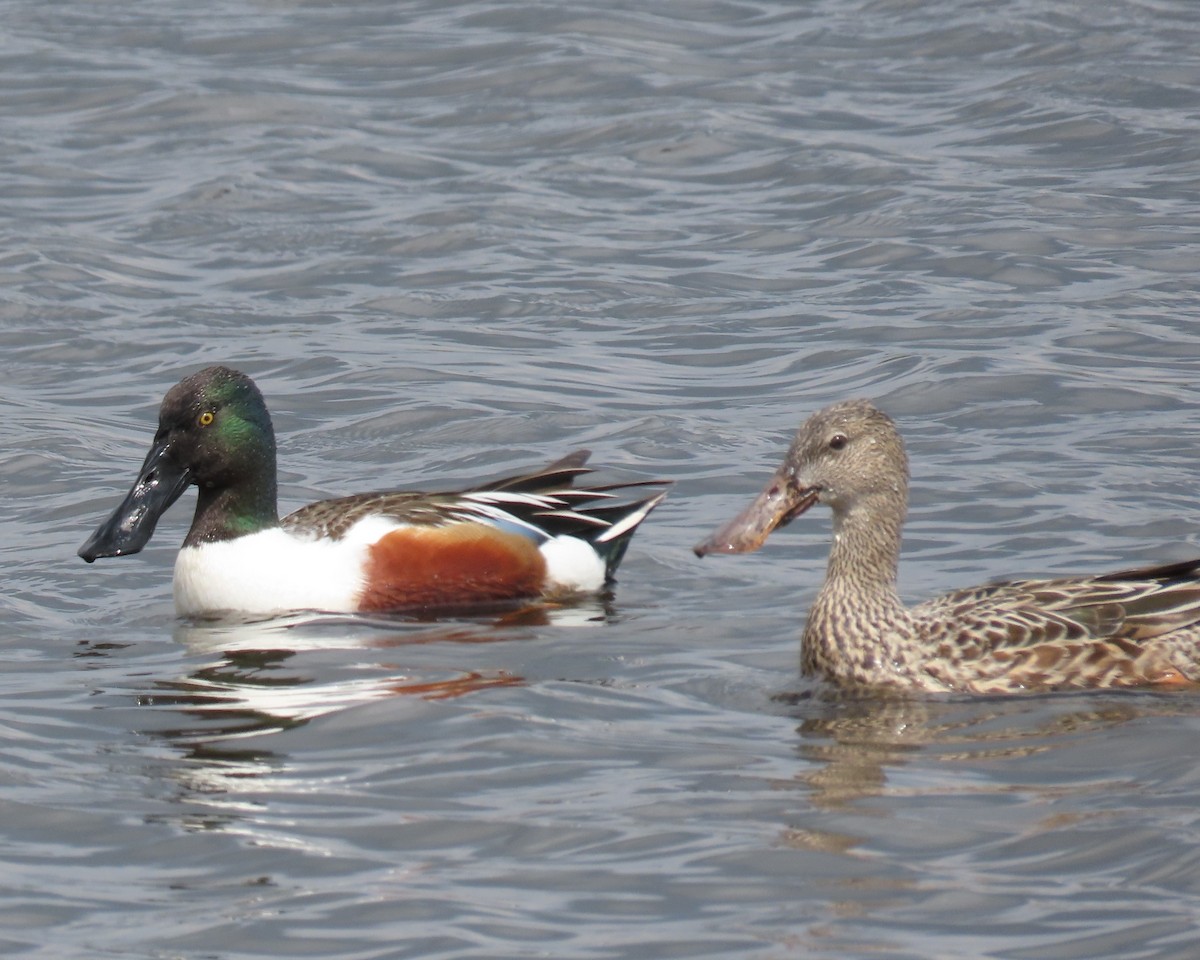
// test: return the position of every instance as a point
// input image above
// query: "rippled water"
(452, 240)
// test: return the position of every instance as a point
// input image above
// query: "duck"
(1133, 628)
(535, 536)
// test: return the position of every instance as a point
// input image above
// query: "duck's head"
(846, 455)
(213, 431)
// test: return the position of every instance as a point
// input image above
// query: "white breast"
(275, 570)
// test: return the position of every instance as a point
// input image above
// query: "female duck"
(1136, 627)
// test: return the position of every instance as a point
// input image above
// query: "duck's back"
(1131, 628)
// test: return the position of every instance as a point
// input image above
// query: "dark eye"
(837, 441)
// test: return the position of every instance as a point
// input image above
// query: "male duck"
(1136, 627)
(522, 537)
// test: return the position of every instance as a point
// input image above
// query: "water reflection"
(853, 742)
(250, 692)
(278, 674)
(312, 632)
(256, 680)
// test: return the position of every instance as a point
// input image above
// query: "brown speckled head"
(848, 455)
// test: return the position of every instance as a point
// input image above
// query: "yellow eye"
(205, 418)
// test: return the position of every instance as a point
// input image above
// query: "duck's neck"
(866, 547)
(857, 615)
(229, 512)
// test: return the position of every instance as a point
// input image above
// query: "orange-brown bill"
(778, 505)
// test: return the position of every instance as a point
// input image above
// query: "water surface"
(453, 241)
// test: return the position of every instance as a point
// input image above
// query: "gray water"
(451, 240)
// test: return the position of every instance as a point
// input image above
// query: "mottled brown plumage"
(1132, 628)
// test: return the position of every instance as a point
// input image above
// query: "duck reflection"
(249, 692)
(852, 742)
(277, 674)
(260, 679)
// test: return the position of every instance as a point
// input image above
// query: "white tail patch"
(572, 565)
